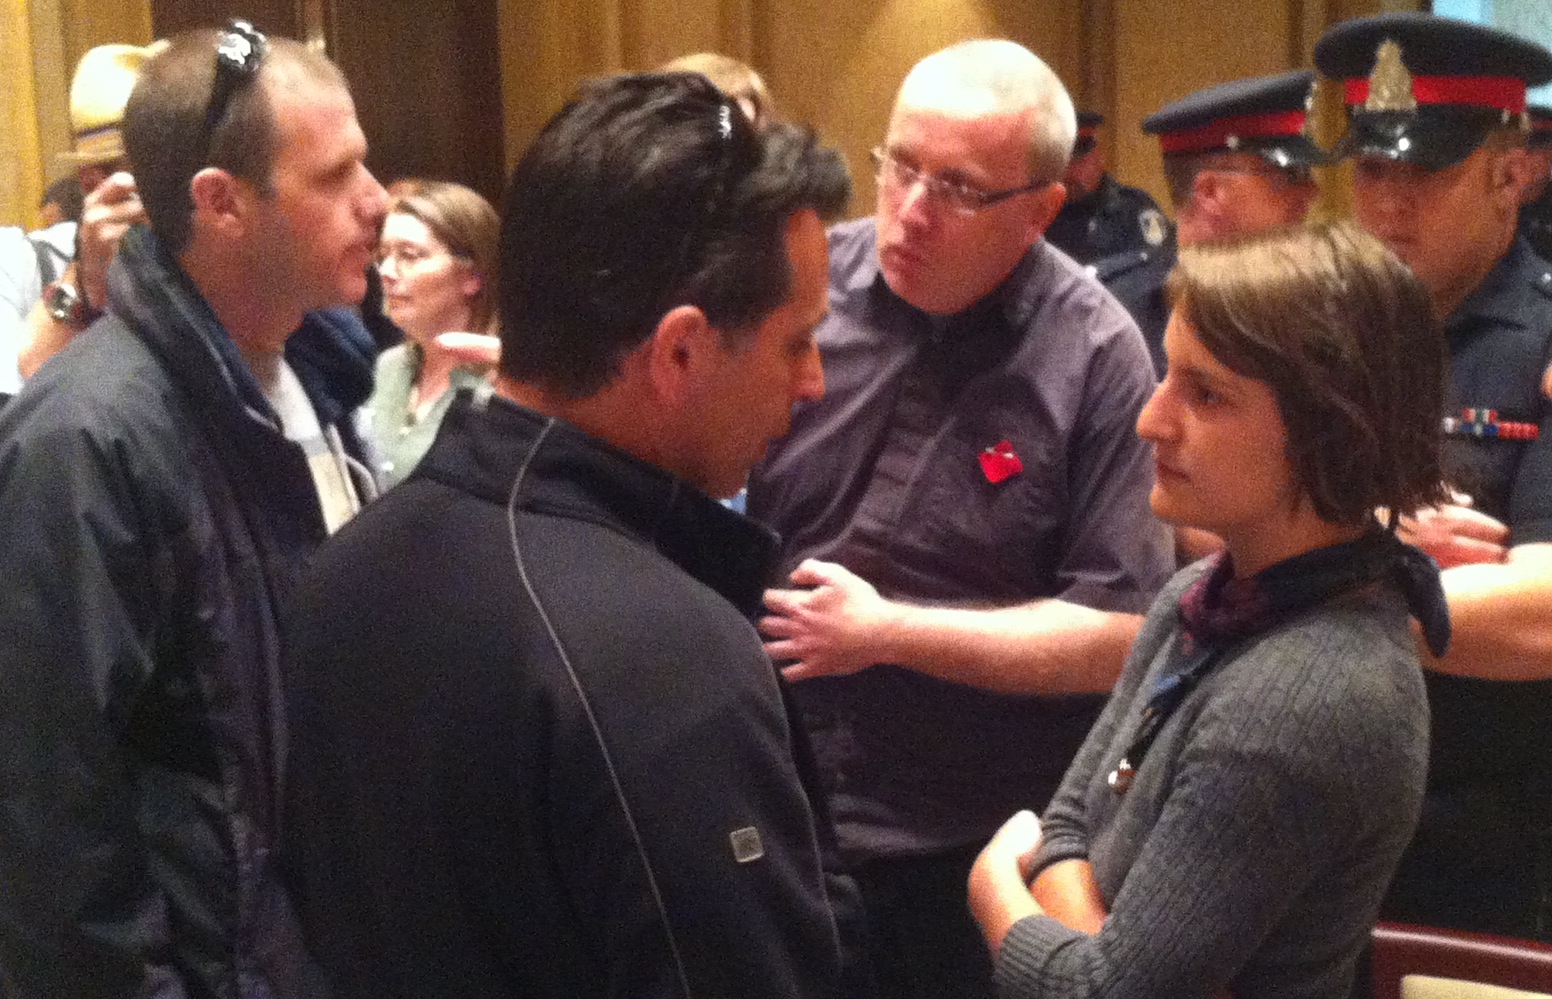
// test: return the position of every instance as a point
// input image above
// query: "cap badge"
(1151, 223)
(1390, 85)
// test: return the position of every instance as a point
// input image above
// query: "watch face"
(64, 304)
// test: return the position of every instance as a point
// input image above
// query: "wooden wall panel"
(21, 175)
(275, 17)
(426, 79)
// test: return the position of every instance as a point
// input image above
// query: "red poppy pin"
(1000, 462)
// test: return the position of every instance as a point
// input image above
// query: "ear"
(220, 201)
(473, 281)
(1514, 173)
(1045, 202)
(680, 354)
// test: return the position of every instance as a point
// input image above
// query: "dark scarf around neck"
(1218, 608)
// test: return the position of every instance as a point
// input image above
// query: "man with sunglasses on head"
(161, 482)
(536, 748)
(1238, 159)
(966, 511)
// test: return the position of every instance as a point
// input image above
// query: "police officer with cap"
(1437, 130)
(1536, 215)
(1238, 159)
(1103, 217)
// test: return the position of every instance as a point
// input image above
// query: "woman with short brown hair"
(1236, 813)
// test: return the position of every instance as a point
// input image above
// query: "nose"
(388, 267)
(811, 382)
(1304, 196)
(1154, 423)
(374, 200)
(914, 208)
(1380, 200)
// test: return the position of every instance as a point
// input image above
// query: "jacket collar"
(500, 450)
(331, 352)
(1501, 297)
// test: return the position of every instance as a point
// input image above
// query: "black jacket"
(456, 826)
(152, 518)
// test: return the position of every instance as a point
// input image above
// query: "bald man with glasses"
(965, 513)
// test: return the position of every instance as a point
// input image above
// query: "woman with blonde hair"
(437, 258)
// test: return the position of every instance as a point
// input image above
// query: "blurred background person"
(1102, 216)
(736, 79)
(56, 282)
(437, 259)
(1232, 820)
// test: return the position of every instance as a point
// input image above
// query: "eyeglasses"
(964, 199)
(239, 50)
(407, 257)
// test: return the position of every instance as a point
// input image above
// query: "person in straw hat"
(56, 281)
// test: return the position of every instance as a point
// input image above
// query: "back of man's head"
(995, 76)
(173, 128)
(644, 193)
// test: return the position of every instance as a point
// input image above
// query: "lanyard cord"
(1168, 692)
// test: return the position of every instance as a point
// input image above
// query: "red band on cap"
(1215, 134)
(1087, 131)
(1505, 93)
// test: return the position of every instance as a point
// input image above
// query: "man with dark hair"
(161, 482)
(967, 508)
(1437, 130)
(536, 748)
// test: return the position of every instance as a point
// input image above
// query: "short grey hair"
(1012, 80)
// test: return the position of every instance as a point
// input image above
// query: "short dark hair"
(646, 192)
(165, 132)
(1345, 335)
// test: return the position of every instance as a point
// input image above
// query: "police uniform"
(1429, 90)
(1136, 278)
(1536, 217)
(1266, 116)
(1111, 219)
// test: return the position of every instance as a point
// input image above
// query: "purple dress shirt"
(885, 476)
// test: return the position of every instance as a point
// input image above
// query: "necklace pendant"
(1120, 779)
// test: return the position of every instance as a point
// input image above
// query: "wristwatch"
(67, 305)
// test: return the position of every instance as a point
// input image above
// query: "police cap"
(1264, 115)
(1428, 90)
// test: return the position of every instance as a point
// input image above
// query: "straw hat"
(98, 93)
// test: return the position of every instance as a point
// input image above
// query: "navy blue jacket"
(153, 519)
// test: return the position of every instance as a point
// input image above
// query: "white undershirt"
(326, 458)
